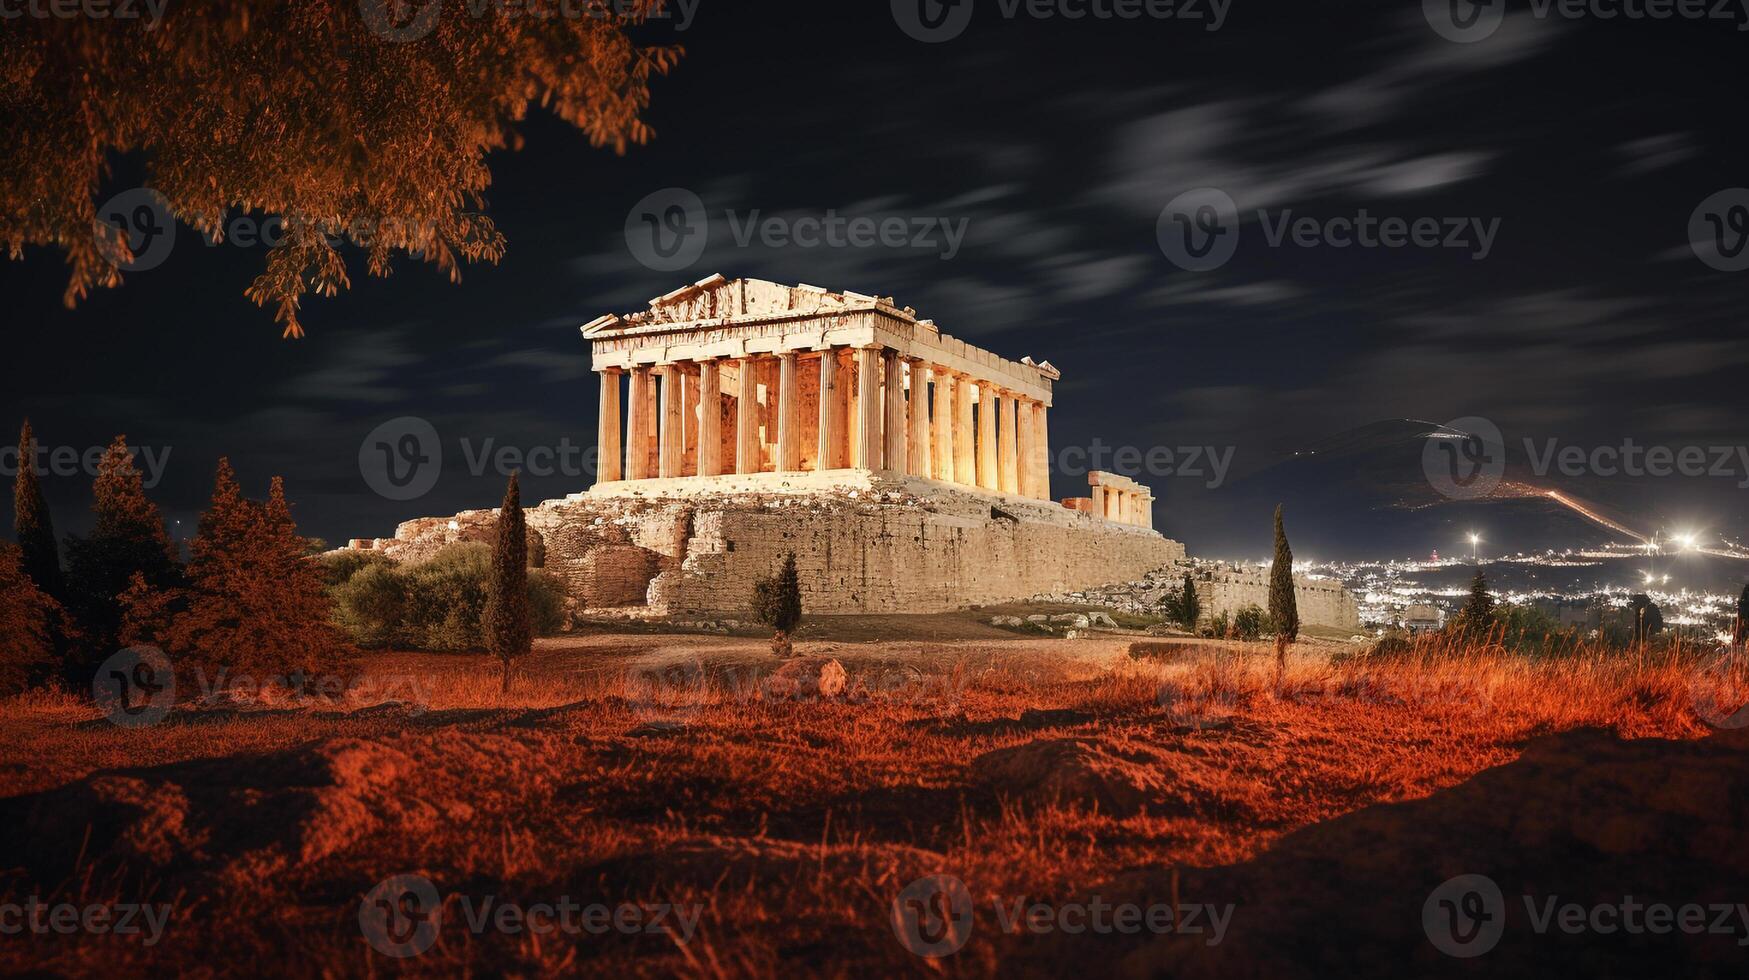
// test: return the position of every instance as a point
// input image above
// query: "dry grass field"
(751, 830)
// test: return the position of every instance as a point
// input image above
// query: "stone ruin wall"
(1320, 602)
(877, 551)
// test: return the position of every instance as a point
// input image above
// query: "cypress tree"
(1283, 611)
(1189, 607)
(1477, 615)
(31, 523)
(127, 538)
(505, 621)
(777, 602)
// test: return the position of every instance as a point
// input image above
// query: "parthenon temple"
(744, 423)
(744, 377)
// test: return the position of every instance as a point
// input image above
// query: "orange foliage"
(300, 110)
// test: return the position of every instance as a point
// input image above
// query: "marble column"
(965, 470)
(1042, 441)
(941, 456)
(609, 459)
(1027, 461)
(746, 417)
(868, 408)
(829, 454)
(895, 451)
(989, 476)
(672, 436)
(917, 419)
(789, 415)
(1097, 492)
(1010, 445)
(638, 426)
(710, 418)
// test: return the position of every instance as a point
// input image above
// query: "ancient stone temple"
(750, 377)
(742, 420)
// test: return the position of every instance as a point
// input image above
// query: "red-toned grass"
(649, 768)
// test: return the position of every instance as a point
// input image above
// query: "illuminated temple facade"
(743, 378)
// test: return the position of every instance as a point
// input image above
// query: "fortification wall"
(1321, 602)
(867, 544)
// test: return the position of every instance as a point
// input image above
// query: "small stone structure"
(741, 420)
(1222, 588)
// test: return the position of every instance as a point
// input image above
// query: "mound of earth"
(234, 819)
(1487, 877)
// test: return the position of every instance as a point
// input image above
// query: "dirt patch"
(1581, 818)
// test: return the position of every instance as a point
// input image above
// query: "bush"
(435, 604)
(546, 602)
(1250, 623)
(338, 566)
(371, 603)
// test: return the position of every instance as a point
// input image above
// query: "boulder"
(1097, 618)
(1006, 621)
(805, 678)
(1074, 620)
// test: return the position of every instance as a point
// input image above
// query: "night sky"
(1057, 143)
